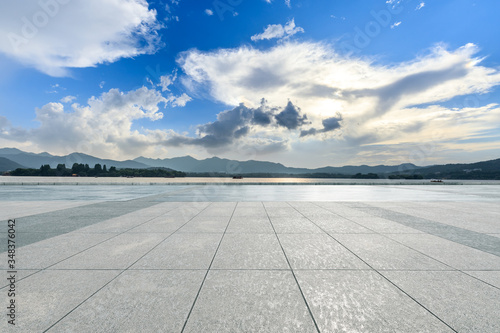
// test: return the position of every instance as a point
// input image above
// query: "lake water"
(251, 192)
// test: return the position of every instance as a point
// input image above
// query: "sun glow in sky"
(303, 83)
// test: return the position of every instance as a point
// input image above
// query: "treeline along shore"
(84, 170)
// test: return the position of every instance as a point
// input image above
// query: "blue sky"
(304, 83)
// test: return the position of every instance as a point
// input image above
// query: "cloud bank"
(321, 106)
(54, 35)
(350, 102)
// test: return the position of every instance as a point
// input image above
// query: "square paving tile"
(383, 226)
(464, 303)
(162, 224)
(47, 296)
(182, 251)
(250, 301)
(116, 253)
(250, 225)
(206, 224)
(286, 211)
(47, 252)
(318, 251)
(340, 225)
(294, 225)
(363, 301)
(250, 251)
(137, 301)
(491, 277)
(383, 253)
(453, 254)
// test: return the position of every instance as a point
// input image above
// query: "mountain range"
(12, 158)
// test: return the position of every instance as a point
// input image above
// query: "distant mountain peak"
(8, 151)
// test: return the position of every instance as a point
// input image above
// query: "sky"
(300, 82)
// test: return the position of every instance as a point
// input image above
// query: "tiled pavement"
(153, 266)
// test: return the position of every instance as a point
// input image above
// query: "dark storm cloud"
(329, 124)
(261, 118)
(237, 123)
(290, 117)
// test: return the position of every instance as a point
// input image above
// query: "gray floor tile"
(363, 301)
(286, 211)
(250, 211)
(340, 225)
(456, 255)
(47, 296)
(250, 301)
(462, 236)
(123, 222)
(250, 251)
(384, 226)
(182, 251)
(17, 209)
(383, 253)
(318, 251)
(250, 287)
(20, 274)
(491, 277)
(50, 251)
(137, 301)
(294, 225)
(116, 253)
(250, 225)
(466, 304)
(162, 224)
(206, 224)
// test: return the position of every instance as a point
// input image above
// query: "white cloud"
(68, 99)
(358, 111)
(278, 31)
(101, 84)
(181, 100)
(55, 35)
(166, 81)
(209, 12)
(103, 127)
(314, 72)
(420, 6)
(371, 99)
(396, 24)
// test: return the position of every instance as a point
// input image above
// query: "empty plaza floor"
(269, 258)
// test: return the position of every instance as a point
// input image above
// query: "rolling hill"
(8, 165)
(11, 158)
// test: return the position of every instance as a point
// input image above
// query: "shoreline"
(21, 181)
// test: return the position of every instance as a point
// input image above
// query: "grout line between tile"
(378, 272)
(124, 270)
(293, 273)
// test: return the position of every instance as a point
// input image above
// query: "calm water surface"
(251, 192)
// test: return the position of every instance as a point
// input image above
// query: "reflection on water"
(251, 192)
(81, 192)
